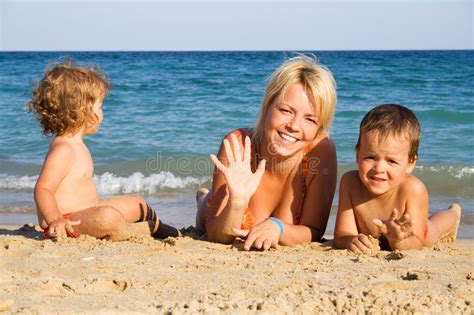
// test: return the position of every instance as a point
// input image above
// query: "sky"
(158, 25)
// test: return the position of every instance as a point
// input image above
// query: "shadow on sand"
(27, 230)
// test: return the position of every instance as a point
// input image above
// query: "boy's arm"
(408, 232)
(346, 234)
(56, 166)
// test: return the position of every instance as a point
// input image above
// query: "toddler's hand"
(262, 236)
(361, 244)
(395, 230)
(59, 228)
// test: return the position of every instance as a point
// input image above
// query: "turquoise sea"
(167, 111)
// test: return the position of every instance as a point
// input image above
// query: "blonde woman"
(274, 183)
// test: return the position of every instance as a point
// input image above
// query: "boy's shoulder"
(350, 177)
(351, 183)
(413, 185)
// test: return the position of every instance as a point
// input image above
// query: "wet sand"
(189, 275)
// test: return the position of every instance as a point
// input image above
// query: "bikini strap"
(304, 173)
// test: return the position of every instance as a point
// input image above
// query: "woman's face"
(291, 123)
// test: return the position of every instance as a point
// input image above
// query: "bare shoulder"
(322, 154)
(240, 133)
(350, 182)
(61, 148)
(322, 145)
(350, 178)
(413, 186)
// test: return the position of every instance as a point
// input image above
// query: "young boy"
(68, 105)
(382, 198)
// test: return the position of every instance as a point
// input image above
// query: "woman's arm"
(322, 177)
(321, 185)
(233, 186)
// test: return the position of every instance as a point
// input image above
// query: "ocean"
(167, 111)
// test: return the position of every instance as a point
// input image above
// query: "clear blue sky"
(236, 25)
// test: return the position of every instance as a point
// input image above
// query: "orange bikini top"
(247, 219)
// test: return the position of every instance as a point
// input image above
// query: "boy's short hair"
(392, 119)
(63, 99)
(317, 81)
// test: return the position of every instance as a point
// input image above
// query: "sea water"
(167, 111)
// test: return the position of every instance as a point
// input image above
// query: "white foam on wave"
(109, 184)
(456, 171)
(21, 183)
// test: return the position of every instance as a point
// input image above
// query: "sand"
(188, 275)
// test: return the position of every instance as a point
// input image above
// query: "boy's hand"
(360, 244)
(58, 228)
(395, 230)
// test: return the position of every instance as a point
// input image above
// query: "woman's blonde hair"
(318, 82)
(63, 100)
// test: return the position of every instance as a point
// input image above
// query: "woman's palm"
(241, 181)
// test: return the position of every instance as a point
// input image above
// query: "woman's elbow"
(219, 236)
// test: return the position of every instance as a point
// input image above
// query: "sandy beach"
(189, 275)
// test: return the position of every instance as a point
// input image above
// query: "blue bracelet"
(277, 221)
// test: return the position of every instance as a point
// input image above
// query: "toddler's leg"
(130, 206)
(443, 225)
(201, 200)
(160, 229)
(136, 210)
(107, 222)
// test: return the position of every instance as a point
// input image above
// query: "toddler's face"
(383, 165)
(97, 110)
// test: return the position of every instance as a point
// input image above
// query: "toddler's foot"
(165, 230)
(451, 235)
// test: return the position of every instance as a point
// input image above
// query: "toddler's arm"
(56, 166)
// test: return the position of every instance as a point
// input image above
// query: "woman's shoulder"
(240, 133)
(322, 146)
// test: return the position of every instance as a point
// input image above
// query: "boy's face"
(97, 110)
(383, 165)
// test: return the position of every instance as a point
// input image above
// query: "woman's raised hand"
(241, 181)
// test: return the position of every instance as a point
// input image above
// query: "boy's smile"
(383, 164)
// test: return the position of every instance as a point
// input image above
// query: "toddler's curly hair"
(63, 99)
